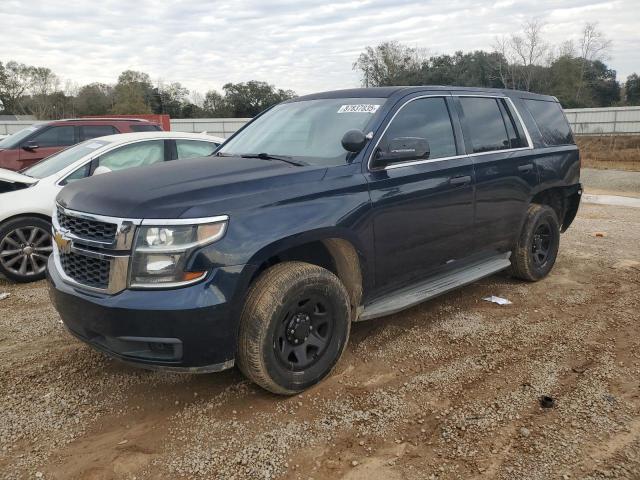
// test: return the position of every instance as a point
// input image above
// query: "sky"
(303, 45)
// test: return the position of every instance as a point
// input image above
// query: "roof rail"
(113, 119)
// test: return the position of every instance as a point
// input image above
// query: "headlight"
(161, 251)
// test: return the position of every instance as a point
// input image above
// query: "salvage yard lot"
(448, 389)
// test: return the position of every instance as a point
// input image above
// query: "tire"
(282, 308)
(537, 248)
(25, 245)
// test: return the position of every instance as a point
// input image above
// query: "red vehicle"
(29, 145)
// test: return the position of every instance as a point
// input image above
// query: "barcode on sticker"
(360, 108)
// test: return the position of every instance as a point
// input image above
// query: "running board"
(415, 294)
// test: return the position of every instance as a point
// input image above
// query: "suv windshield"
(13, 140)
(56, 162)
(310, 130)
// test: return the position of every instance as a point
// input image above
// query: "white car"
(27, 198)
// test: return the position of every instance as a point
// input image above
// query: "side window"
(62, 136)
(551, 122)
(514, 129)
(133, 155)
(426, 118)
(194, 148)
(93, 131)
(485, 124)
(79, 174)
(144, 127)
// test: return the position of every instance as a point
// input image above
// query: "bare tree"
(507, 65)
(530, 49)
(593, 46)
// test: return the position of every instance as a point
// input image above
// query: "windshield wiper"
(268, 156)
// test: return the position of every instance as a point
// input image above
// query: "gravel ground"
(617, 181)
(449, 389)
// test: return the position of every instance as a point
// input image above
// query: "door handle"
(462, 180)
(525, 168)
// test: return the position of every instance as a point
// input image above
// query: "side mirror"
(403, 149)
(100, 170)
(354, 140)
(30, 146)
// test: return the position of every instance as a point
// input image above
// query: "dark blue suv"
(324, 210)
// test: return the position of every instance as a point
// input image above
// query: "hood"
(192, 188)
(15, 177)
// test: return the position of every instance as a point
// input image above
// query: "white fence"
(604, 121)
(219, 127)
(584, 121)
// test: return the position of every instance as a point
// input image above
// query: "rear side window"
(55, 137)
(426, 118)
(485, 124)
(551, 122)
(194, 148)
(145, 128)
(93, 131)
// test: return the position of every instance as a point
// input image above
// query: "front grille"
(89, 271)
(88, 229)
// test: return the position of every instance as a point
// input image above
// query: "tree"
(593, 46)
(44, 83)
(94, 99)
(215, 105)
(250, 98)
(15, 81)
(172, 98)
(632, 90)
(390, 63)
(133, 93)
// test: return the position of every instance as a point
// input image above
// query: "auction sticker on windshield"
(360, 108)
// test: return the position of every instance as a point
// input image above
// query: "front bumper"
(191, 329)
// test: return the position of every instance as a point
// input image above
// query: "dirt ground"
(621, 152)
(449, 389)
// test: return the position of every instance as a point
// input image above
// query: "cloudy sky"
(304, 45)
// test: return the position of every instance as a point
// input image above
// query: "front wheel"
(537, 248)
(294, 327)
(25, 245)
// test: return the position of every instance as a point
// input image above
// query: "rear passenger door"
(422, 209)
(505, 170)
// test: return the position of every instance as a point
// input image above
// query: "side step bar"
(415, 294)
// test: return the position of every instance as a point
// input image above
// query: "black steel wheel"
(304, 332)
(294, 327)
(536, 251)
(541, 243)
(25, 246)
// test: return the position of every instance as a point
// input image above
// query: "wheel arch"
(563, 200)
(18, 216)
(329, 249)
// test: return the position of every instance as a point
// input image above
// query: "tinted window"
(485, 124)
(145, 128)
(133, 155)
(515, 138)
(93, 131)
(426, 118)
(55, 137)
(194, 148)
(551, 122)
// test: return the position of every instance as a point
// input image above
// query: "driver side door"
(423, 208)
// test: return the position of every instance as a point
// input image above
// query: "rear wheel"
(537, 248)
(25, 245)
(294, 327)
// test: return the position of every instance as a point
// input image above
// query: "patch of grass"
(619, 152)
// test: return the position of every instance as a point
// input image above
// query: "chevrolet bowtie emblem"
(64, 244)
